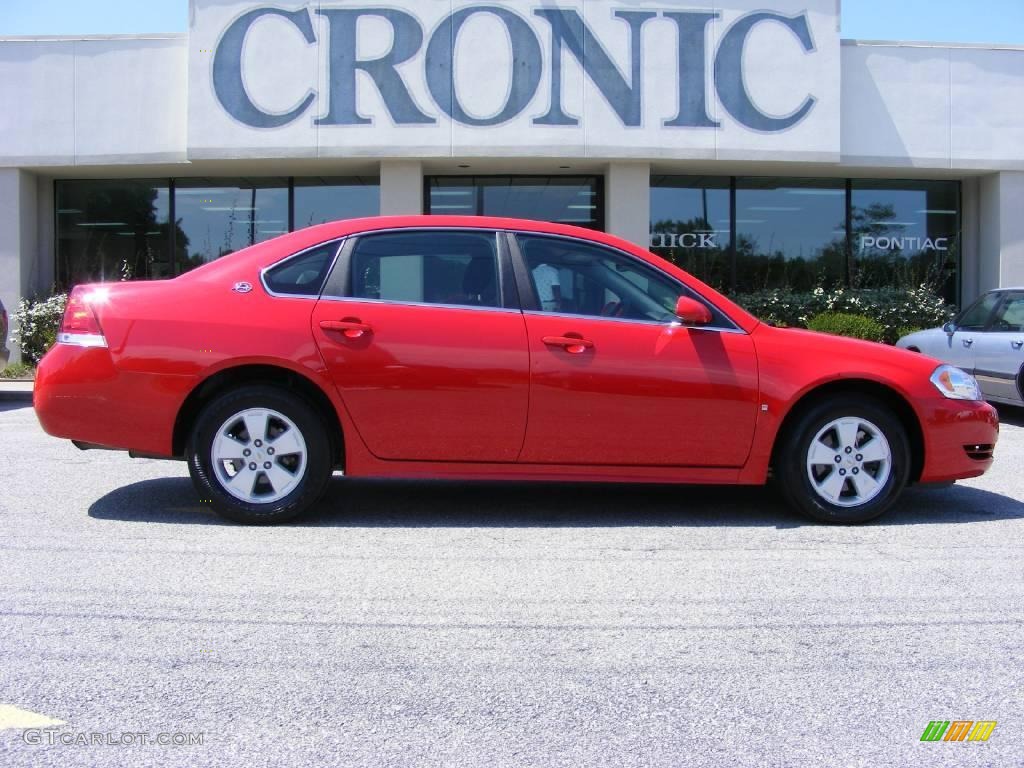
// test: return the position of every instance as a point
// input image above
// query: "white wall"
(1002, 230)
(93, 101)
(627, 189)
(932, 106)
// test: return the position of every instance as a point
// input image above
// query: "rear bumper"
(959, 439)
(81, 395)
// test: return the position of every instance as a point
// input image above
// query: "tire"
(844, 490)
(266, 485)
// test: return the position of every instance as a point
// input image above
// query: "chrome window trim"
(286, 259)
(419, 228)
(629, 256)
(473, 307)
(658, 323)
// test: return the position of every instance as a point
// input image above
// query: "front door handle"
(350, 327)
(1017, 344)
(572, 344)
(968, 342)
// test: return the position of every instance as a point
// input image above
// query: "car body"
(987, 340)
(439, 347)
(5, 353)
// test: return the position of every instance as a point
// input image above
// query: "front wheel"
(846, 460)
(260, 455)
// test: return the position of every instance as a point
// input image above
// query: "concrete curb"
(15, 391)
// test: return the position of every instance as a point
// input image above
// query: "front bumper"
(81, 395)
(959, 439)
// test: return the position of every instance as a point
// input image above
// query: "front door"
(999, 351)
(426, 356)
(614, 379)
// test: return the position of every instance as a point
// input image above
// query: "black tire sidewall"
(791, 460)
(318, 455)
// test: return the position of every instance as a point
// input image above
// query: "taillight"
(80, 325)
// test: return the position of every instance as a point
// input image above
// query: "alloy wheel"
(259, 455)
(849, 462)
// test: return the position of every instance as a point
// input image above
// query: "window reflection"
(322, 199)
(112, 230)
(572, 200)
(906, 233)
(690, 225)
(790, 233)
(220, 216)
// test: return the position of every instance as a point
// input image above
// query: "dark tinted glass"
(112, 230)
(564, 199)
(220, 216)
(690, 225)
(303, 275)
(433, 267)
(790, 233)
(321, 199)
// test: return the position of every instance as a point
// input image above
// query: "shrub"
(901, 332)
(37, 322)
(894, 309)
(845, 324)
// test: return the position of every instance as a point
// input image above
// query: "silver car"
(986, 339)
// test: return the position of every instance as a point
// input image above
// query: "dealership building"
(748, 143)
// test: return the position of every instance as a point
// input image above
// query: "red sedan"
(481, 348)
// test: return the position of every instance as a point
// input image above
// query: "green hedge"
(844, 324)
(894, 309)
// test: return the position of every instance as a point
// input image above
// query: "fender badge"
(242, 287)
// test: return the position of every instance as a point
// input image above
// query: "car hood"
(839, 356)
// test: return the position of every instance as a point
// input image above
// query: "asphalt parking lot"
(430, 624)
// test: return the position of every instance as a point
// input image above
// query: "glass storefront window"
(220, 216)
(322, 199)
(690, 225)
(573, 200)
(906, 233)
(112, 230)
(790, 233)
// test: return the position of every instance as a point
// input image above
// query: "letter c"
(731, 85)
(228, 84)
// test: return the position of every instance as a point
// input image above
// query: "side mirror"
(692, 312)
(949, 328)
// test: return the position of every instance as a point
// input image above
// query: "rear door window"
(428, 267)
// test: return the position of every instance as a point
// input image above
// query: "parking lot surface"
(441, 624)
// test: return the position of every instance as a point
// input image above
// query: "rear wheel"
(845, 460)
(260, 455)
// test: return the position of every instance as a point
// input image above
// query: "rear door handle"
(572, 344)
(350, 327)
(1017, 344)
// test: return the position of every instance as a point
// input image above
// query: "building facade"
(748, 144)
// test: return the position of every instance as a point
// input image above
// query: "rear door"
(998, 350)
(424, 340)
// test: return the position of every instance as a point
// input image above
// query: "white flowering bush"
(36, 324)
(896, 310)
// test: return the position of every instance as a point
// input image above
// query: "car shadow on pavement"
(428, 504)
(1010, 414)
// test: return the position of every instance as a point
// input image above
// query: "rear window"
(304, 274)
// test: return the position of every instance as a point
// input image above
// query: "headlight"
(955, 384)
